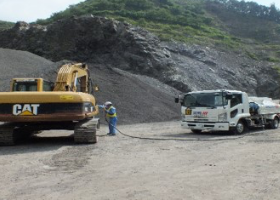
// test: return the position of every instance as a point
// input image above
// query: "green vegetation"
(190, 13)
(5, 25)
(277, 68)
(272, 59)
(206, 22)
(252, 55)
(179, 20)
(251, 9)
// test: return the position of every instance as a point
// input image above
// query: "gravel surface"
(14, 63)
(138, 99)
(208, 166)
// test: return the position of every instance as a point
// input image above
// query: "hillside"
(257, 34)
(114, 44)
(231, 24)
(209, 51)
(5, 25)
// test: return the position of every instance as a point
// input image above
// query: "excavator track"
(7, 136)
(85, 132)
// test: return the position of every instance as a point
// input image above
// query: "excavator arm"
(73, 77)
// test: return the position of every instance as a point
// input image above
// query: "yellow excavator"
(33, 105)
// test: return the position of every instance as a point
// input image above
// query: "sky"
(265, 2)
(31, 10)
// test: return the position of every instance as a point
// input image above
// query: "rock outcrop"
(105, 42)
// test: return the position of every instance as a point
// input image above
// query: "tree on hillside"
(274, 14)
(138, 5)
(251, 8)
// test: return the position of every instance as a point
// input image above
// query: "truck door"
(236, 105)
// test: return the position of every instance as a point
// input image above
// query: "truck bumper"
(219, 126)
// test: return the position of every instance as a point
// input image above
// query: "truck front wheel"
(240, 128)
(274, 123)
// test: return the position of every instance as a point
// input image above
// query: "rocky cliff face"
(206, 68)
(114, 44)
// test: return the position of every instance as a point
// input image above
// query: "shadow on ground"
(39, 144)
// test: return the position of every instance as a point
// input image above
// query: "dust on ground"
(186, 166)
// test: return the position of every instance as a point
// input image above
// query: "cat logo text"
(25, 109)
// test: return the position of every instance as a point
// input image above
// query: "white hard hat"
(107, 103)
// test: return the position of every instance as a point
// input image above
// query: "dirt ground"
(175, 164)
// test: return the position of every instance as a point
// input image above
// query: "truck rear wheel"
(240, 128)
(274, 123)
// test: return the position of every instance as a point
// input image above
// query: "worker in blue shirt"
(111, 117)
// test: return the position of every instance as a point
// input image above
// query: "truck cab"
(225, 110)
(216, 110)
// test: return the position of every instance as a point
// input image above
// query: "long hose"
(174, 139)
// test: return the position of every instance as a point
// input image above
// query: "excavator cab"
(31, 85)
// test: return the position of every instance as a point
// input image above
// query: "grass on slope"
(188, 21)
(178, 20)
(5, 25)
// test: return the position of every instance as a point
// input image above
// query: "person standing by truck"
(111, 117)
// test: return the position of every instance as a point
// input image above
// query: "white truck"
(226, 110)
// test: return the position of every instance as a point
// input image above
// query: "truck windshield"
(204, 100)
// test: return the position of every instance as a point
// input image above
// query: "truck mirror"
(176, 100)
